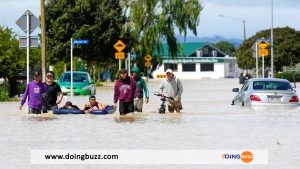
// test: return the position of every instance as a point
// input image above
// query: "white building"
(197, 61)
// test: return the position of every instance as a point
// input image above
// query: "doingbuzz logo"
(246, 156)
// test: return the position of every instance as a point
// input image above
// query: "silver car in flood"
(266, 91)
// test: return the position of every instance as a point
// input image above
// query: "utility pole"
(272, 42)
(43, 40)
(239, 20)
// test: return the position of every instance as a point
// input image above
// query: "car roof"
(268, 79)
(77, 72)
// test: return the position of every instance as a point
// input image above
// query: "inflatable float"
(107, 110)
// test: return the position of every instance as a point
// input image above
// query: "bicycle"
(162, 107)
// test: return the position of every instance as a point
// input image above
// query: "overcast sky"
(256, 13)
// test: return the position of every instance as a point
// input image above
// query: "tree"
(12, 58)
(98, 21)
(151, 22)
(226, 47)
(286, 49)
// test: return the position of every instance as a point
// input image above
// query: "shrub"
(4, 95)
(288, 76)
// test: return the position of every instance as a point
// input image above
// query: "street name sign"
(81, 41)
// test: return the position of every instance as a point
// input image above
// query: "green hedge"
(4, 95)
(288, 76)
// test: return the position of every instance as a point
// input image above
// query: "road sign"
(263, 44)
(148, 58)
(119, 46)
(263, 52)
(81, 41)
(119, 55)
(33, 22)
(33, 41)
(148, 64)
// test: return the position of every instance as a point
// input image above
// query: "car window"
(271, 85)
(77, 77)
(66, 77)
(80, 77)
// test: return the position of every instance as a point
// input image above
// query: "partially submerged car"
(266, 91)
(82, 83)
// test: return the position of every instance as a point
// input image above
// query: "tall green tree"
(98, 21)
(153, 21)
(12, 58)
(286, 49)
(226, 47)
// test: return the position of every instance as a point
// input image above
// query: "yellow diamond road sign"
(119, 46)
(263, 44)
(148, 58)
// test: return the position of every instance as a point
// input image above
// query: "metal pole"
(71, 67)
(129, 58)
(43, 40)
(244, 23)
(240, 20)
(256, 59)
(27, 47)
(263, 66)
(272, 50)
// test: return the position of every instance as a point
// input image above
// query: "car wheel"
(243, 104)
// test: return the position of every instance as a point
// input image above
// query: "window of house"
(172, 66)
(188, 67)
(206, 67)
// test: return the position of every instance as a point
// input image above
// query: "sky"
(256, 13)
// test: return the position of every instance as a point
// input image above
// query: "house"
(197, 61)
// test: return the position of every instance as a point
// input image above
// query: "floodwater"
(207, 122)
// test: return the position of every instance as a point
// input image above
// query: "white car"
(266, 91)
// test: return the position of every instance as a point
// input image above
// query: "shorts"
(34, 111)
(126, 107)
(174, 105)
(48, 107)
(138, 105)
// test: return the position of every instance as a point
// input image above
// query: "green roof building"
(196, 61)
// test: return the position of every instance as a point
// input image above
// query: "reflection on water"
(208, 121)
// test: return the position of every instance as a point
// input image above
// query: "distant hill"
(214, 39)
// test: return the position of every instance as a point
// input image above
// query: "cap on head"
(169, 71)
(121, 71)
(92, 97)
(49, 74)
(36, 74)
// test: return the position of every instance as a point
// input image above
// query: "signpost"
(74, 42)
(28, 23)
(119, 46)
(148, 63)
(263, 44)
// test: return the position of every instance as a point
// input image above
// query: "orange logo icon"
(247, 157)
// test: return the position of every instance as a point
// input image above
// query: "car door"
(239, 98)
